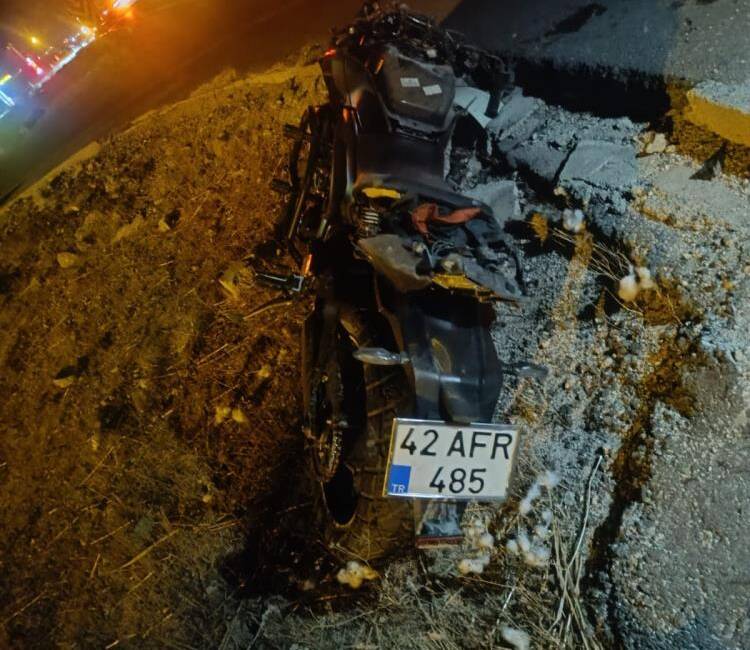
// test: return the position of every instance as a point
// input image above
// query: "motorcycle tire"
(357, 521)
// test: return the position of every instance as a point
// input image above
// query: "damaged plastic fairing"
(460, 250)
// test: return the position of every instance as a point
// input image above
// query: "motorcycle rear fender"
(456, 373)
(453, 365)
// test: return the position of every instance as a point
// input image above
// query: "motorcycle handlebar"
(396, 24)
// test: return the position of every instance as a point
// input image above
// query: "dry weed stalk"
(569, 572)
(603, 260)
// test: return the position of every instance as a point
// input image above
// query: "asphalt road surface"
(172, 47)
(692, 40)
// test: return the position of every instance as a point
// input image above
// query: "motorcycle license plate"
(436, 460)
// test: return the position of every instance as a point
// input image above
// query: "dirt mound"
(145, 420)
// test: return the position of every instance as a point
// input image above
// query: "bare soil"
(122, 492)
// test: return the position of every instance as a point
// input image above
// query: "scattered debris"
(129, 229)
(519, 639)
(232, 279)
(67, 260)
(657, 144)
(713, 165)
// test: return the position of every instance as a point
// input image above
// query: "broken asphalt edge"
(712, 111)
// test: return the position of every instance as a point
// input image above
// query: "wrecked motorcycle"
(399, 371)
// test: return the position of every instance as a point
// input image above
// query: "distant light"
(122, 4)
(85, 30)
(6, 100)
(34, 40)
(34, 66)
(4, 80)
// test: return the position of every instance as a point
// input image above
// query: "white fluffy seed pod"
(355, 574)
(464, 567)
(537, 557)
(222, 413)
(628, 288)
(512, 546)
(471, 565)
(355, 582)
(368, 573)
(475, 530)
(354, 567)
(486, 541)
(523, 541)
(347, 578)
(644, 278)
(531, 559)
(477, 565)
(547, 516)
(548, 480)
(528, 501)
(541, 531)
(517, 638)
(573, 221)
(542, 553)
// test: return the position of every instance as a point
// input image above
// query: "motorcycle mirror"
(381, 357)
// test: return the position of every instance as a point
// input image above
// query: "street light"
(35, 41)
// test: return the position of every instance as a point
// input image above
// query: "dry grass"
(119, 494)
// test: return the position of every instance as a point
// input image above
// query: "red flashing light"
(329, 53)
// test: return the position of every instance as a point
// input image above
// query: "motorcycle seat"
(409, 165)
(393, 154)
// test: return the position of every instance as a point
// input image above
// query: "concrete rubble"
(660, 387)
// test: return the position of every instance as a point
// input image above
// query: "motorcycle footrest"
(290, 282)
